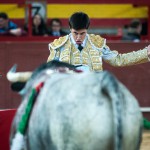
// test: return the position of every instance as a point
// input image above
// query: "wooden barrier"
(6, 117)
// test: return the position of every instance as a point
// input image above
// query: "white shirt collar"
(76, 45)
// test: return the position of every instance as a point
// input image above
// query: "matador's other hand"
(148, 51)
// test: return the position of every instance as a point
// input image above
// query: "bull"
(78, 111)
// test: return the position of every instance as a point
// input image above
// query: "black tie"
(80, 47)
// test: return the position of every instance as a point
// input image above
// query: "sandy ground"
(146, 141)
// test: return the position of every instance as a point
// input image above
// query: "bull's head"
(19, 79)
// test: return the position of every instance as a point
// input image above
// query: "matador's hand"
(148, 51)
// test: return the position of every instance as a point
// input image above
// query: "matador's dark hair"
(79, 20)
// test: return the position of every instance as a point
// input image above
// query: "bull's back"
(73, 112)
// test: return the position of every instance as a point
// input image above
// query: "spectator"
(38, 26)
(55, 28)
(133, 31)
(7, 27)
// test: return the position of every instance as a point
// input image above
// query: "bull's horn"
(14, 76)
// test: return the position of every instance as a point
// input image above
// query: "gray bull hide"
(87, 111)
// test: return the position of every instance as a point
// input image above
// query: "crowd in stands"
(7, 27)
(39, 27)
(54, 28)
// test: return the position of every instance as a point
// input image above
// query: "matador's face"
(79, 35)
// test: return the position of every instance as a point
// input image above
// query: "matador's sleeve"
(55, 47)
(126, 59)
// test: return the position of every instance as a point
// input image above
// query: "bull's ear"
(18, 86)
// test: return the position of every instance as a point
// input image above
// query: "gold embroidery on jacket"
(88, 56)
(97, 40)
(131, 58)
(59, 42)
(91, 55)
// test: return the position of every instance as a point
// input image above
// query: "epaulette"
(97, 41)
(57, 43)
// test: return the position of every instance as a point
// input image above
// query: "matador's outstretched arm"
(127, 59)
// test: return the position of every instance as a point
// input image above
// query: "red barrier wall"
(6, 117)
(28, 56)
